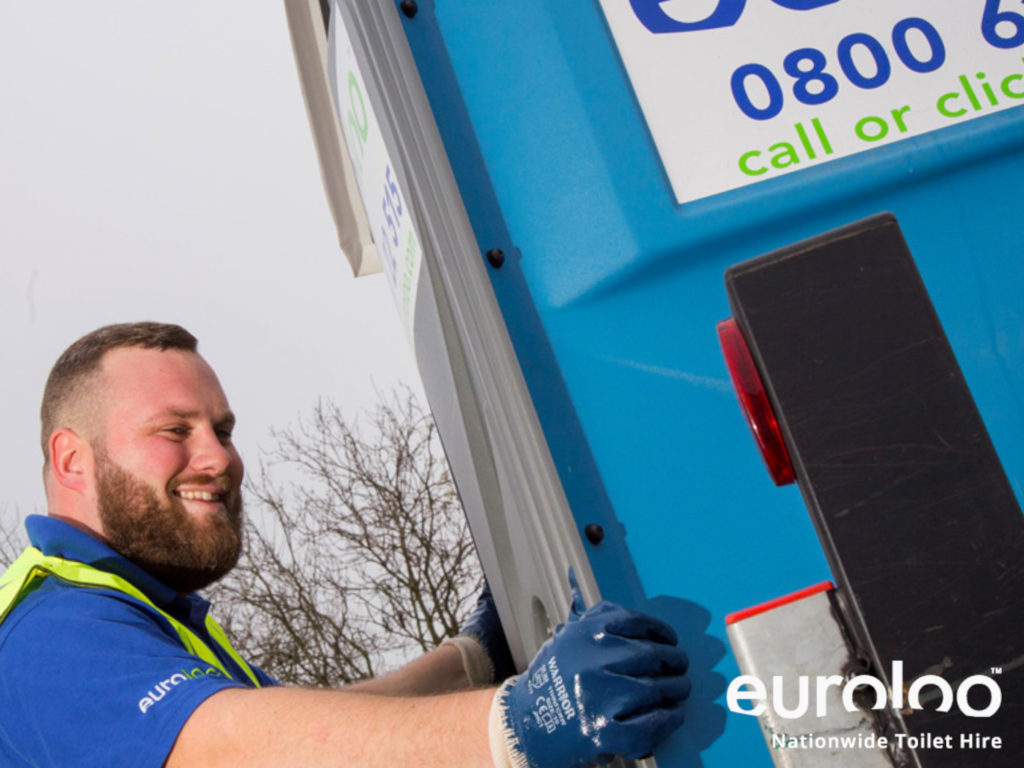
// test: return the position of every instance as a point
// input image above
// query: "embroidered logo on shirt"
(160, 689)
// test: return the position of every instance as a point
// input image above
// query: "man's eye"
(181, 431)
(224, 434)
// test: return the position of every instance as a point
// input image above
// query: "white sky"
(156, 163)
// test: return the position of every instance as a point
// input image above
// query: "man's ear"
(70, 460)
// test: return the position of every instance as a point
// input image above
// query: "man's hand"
(608, 682)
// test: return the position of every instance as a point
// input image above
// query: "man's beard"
(183, 552)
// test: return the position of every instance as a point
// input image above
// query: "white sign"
(386, 204)
(739, 91)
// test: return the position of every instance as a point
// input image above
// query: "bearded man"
(108, 657)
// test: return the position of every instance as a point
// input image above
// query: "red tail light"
(754, 402)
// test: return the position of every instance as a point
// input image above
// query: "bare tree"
(357, 554)
(12, 540)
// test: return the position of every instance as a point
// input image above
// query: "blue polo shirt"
(91, 677)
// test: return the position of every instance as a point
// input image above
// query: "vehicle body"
(556, 191)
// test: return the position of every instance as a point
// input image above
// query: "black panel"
(914, 511)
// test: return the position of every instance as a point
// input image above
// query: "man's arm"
(608, 682)
(320, 728)
(278, 727)
(439, 671)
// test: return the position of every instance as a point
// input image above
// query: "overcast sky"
(156, 163)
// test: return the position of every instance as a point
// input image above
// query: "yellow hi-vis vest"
(32, 566)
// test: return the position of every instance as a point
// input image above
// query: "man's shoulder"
(52, 610)
(89, 676)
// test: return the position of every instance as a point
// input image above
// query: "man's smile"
(200, 495)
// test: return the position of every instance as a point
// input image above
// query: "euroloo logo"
(749, 688)
(162, 688)
(726, 13)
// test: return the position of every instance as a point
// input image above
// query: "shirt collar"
(54, 537)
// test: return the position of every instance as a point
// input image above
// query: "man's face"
(167, 474)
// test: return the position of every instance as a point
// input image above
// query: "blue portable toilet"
(557, 191)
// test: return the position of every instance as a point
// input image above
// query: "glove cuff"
(506, 751)
(477, 664)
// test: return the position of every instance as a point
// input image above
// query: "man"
(108, 658)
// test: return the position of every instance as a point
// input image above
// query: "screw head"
(409, 7)
(496, 257)
(594, 533)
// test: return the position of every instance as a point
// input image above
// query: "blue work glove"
(481, 642)
(608, 682)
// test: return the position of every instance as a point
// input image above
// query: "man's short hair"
(81, 361)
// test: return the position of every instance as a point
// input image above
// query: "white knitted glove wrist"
(477, 664)
(505, 749)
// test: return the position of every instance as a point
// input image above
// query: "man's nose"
(210, 454)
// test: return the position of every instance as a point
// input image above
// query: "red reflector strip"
(746, 613)
(754, 401)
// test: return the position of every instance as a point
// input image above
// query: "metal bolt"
(594, 533)
(409, 7)
(496, 257)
